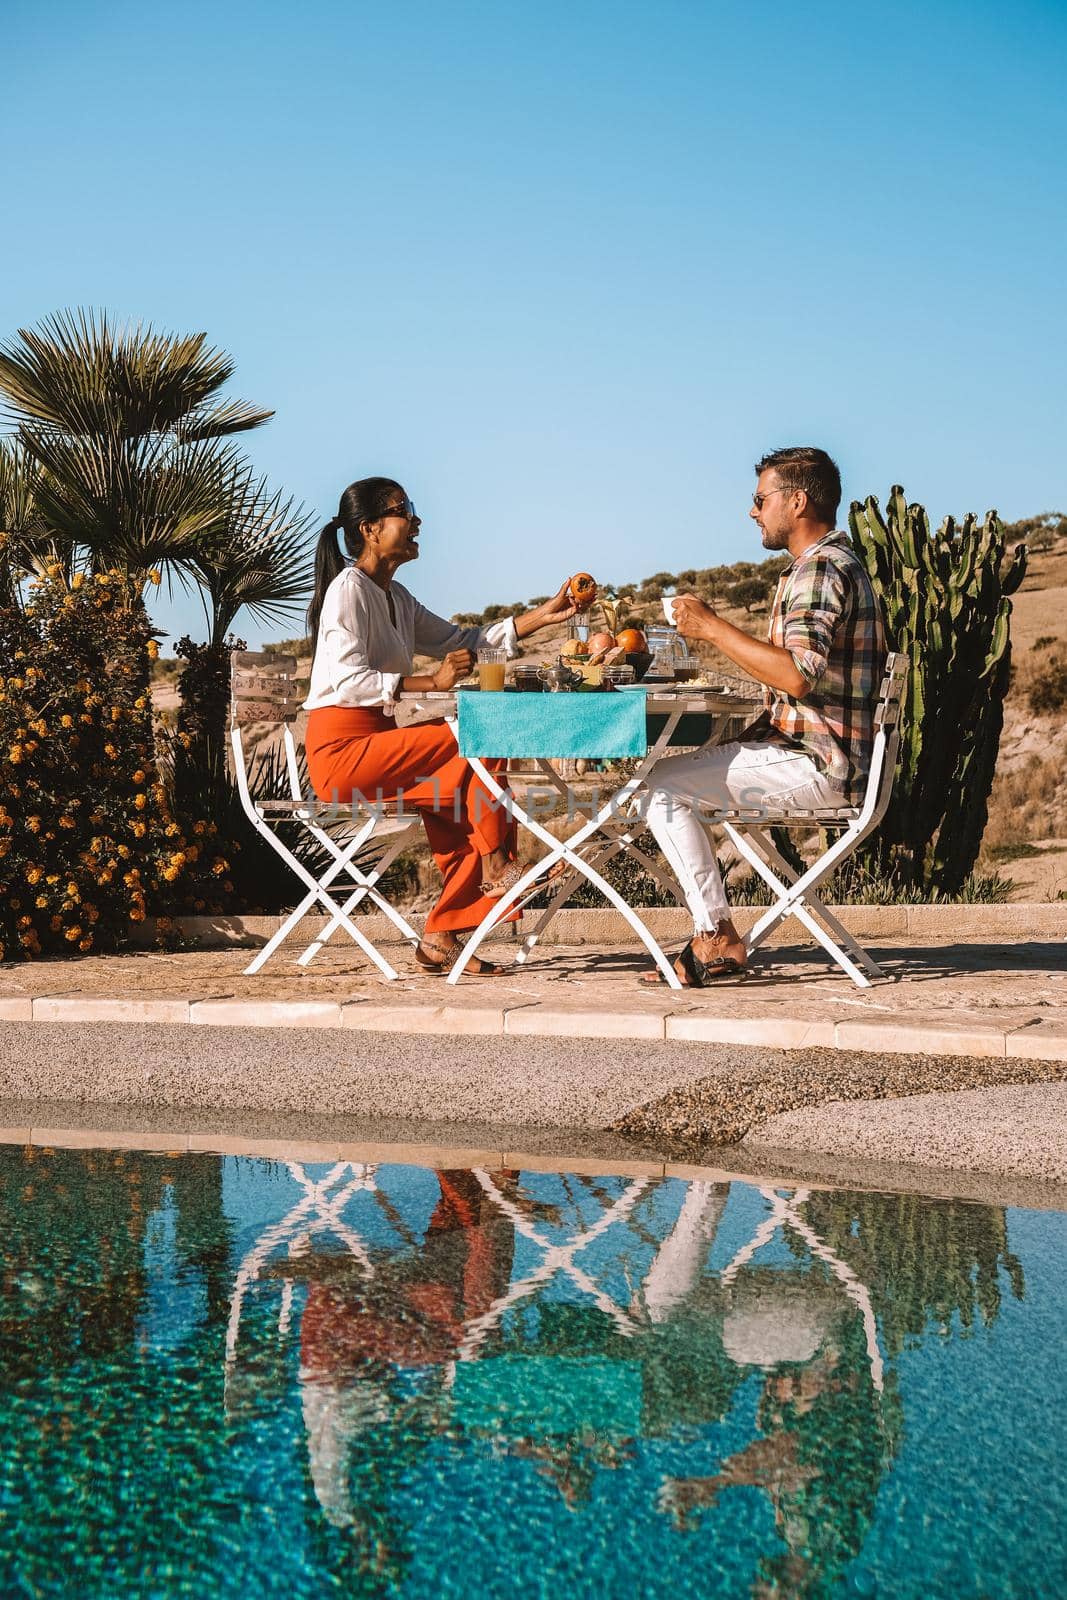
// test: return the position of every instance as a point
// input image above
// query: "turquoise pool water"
(221, 1376)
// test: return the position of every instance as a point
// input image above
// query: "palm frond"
(30, 544)
(229, 417)
(258, 556)
(135, 504)
(79, 372)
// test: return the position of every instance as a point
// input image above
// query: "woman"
(365, 630)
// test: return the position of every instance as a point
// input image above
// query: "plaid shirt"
(826, 615)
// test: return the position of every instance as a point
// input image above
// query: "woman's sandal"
(440, 968)
(494, 888)
(700, 973)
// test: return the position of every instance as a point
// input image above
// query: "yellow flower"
(92, 914)
(153, 650)
(72, 933)
(66, 720)
(66, 822)
(53, 877)
(14, 755)
(110, 751)
(140, 702)
(155, 577)
(136, 915)
(76, 583)
(104, 877)
(178, 858)
(139, 775)
(41, 902)
(140, 801)
(34, 874)
(86, 943)
(25, 922)
(55, 570)
(40, 727)
(219, 866)
(137, 829)
(124, 851)
(172, 830)
(116, 713)
(170, 873)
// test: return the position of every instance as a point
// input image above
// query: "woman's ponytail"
(328, 563)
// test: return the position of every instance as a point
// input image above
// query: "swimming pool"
(221, 1375)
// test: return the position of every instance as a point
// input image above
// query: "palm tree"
(124, 457)
(130, 443)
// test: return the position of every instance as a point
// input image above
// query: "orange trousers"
(355, 751)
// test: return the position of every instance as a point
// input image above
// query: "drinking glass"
(491, 668)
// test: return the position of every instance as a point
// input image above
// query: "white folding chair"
(793, 891)
(361, 841)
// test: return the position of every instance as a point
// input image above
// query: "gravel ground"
(722, 1108)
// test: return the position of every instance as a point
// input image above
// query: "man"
(821, 669)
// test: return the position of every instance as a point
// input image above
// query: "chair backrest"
(886, 740)
(262, 688)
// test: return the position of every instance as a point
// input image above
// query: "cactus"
(944, 598)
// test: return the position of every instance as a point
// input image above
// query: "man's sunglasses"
(758, 499)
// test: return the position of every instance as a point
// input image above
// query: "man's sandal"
(439, 968)
(699, 973)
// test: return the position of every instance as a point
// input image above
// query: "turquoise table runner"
(509, 723)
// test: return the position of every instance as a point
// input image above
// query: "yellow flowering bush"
(89, 843)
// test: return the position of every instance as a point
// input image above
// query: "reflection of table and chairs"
(608, 1326)
(318, 1212)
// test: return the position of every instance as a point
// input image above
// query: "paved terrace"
(952, 990)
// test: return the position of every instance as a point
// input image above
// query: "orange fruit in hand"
(633, 641)
(582, 590)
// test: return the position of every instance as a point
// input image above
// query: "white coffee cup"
(668, 610)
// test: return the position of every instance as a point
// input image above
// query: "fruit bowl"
(640, 661)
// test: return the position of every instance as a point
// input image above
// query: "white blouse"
(362, 656)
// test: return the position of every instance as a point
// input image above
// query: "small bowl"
(640, 660)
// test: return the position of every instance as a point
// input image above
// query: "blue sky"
(566, 270)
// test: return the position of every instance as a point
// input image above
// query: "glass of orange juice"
(491, 668)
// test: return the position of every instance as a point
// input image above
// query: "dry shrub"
(1028, 804)
(1041, 679)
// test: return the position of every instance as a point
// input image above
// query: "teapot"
(560, 677)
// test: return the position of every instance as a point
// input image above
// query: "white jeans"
(722, 777)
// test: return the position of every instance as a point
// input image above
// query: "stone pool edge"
(895, 1034)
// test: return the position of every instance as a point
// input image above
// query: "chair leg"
(365, 886)
(815, 905)
(317, 892)
(805, 906)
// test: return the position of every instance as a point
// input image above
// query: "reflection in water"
(375, 1372)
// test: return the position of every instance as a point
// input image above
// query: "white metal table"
(605, 829)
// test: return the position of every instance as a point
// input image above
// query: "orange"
(583, 591)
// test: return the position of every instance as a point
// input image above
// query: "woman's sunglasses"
(406, 508)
